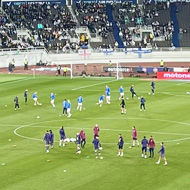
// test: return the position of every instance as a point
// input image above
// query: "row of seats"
(52, 26)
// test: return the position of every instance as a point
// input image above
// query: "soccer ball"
(188, 92)
(149, 93)
(72, 139)
(84, 108)
(67, 140)
(139, 98)
(38, 117)
(101, 157)
(100, 148)
(40, 104)
(127, 98)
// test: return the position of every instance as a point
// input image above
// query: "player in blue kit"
(47, 141)
(153, 87)
(35, 98)
(142, 100)
(162, 154)
(64, 104)
(78, 142)
(108, 98)
(97, 146)
(79, 100)
(107, 88)
(144, 143)
(62, 136)
(101, 100)
(52, 97)
(69, 108)
(121, 92)
(120, 145)
(51, 138)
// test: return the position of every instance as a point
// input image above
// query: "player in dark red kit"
(96, 130)
(151, 145)
(83, 138)
(134, 136)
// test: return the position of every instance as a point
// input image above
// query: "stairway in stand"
(114, 25)
(173, 17)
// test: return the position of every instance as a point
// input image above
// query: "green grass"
(166, 118)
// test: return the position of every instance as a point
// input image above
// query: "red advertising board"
(173, 75)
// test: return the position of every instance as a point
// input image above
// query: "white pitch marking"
(93, 85)
(19, 80)
(123, 130)
(114, 91)
(31, 125)
(183, 83)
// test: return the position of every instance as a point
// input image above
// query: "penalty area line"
(93, 85)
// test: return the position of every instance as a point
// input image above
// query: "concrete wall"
(34, 57)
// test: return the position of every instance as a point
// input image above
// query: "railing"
(99, 50)
(16, 51)
(128, 50)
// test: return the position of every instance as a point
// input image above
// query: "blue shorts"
(144, 149)
(46, 142)
(62, 137)
(162, 155)
(135, 139)
(95, 148)
(120, 146)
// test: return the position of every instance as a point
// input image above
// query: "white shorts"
(68, 110)
(122, 94)
(35, 99)
(108, 97)
(52, 101)
(79, 104)
(100, 101)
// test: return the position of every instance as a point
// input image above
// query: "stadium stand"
(184, 25)
(117, 25)
(93, 15)
(7, 32)
(49, 24)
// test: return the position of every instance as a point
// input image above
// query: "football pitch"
(23, 158)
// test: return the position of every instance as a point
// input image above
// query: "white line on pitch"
(123, 130)
(93, 85)
(182, 83)
(19, 80)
